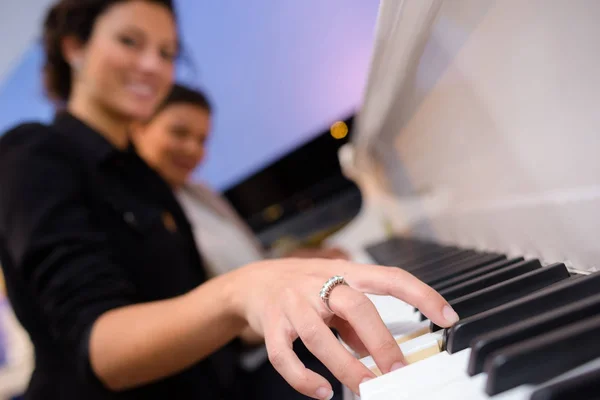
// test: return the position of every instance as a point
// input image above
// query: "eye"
(128, 41)
(168, 54)
(179, 132)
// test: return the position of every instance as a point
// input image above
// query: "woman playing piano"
(100, 261)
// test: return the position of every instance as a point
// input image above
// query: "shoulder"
(17, 134)
(28, 138)
(31, 149)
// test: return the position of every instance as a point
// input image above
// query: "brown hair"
(181, 94)
(74, 18)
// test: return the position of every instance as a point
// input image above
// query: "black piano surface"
(301, 194)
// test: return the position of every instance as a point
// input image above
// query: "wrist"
(220, 294)
(231, 296)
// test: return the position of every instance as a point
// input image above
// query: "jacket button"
(129, 217)
(169, 222)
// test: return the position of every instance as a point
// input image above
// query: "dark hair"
(184, 94)
(71, 18)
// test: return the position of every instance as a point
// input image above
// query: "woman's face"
(127, 65)
(173, 142)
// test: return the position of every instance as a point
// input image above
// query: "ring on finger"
(328, 288)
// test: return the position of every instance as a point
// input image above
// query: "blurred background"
(278, 73)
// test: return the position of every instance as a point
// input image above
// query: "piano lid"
(483, 116)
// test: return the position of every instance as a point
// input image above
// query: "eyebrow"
(138, 31)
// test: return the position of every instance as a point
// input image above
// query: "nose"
(151, 62)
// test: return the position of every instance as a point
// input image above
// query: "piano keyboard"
(527, 330)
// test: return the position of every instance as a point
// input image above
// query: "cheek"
(154, 146)
(200, 153)
(164, 149)
(192, 149)
(107, 68)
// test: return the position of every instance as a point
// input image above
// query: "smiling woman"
(115, 54)
(173, 141)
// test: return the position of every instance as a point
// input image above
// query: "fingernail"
(449, 314)
(396, 365)
(324, 393)
(365, 380)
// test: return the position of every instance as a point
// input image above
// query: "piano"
(476, 155)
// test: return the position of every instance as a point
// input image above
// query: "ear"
(73, 51)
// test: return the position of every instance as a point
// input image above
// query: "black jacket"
(85, 228)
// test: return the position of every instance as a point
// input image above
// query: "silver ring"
(328, 288)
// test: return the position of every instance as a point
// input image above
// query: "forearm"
(141, 343)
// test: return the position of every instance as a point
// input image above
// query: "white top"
(222, 245)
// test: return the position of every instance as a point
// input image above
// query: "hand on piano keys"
(526, 331)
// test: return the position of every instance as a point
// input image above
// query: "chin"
(137, 110)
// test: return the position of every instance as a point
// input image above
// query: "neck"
(113, 128)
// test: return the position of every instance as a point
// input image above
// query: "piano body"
(476, 152)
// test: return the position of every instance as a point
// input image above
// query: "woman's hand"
(280, 300)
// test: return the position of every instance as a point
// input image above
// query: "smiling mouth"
(141, 90)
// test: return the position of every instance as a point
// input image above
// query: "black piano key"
(584, 386)
(470, 264)
(396, 251)
(438, 262)
(483, 346)
(382, 251)
(511, 289)
(487, 280)
(459, 336)
(454, 270)
(408, 254)
(384, 246)
(478, 272)
(543, 357)
(428, 268)
(482, 270)
(507, 291)
(412, 262)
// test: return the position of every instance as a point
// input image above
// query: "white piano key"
(413, 348)
(464, 386)
(474, 387)
(392, 310)
(410, 381)
(444, 376)
(408, 329)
